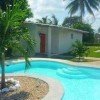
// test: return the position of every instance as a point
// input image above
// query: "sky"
(42, 8)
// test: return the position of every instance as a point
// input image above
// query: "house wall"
(66, 39)
(54, 40)
(35, 30)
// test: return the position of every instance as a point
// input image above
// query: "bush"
(80, 50)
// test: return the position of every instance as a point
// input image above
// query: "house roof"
(57, 26)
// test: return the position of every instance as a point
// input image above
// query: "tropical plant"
(70, 21)
(13, 32)
(82, 5)
(87, 37)
(79, 50)
(44, 20)
(54, 20)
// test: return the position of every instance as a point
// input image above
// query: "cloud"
(42, 8)
(94, 21)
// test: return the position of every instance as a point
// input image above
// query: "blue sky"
(42, 8)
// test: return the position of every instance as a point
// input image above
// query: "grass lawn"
(92, 52)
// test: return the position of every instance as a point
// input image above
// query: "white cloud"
(42, 8)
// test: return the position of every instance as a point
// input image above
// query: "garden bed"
(31, 89)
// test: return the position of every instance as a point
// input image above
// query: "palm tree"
(70, 21)
(44, 20)
(12, 31)
(54, 20)
(82, 5)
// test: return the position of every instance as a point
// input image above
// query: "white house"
(51, 39)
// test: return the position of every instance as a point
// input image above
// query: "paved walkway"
(94, 62)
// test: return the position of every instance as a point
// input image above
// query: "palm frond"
(55, 20)
(94, 4)
(80, 5)
(73, 7)
(89, 8)
(17, 47)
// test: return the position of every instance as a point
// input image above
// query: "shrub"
(79, 49)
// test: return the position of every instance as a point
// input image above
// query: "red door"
(42, 43)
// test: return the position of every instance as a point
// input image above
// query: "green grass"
(92, 52)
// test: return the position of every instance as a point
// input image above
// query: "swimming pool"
(79, 83)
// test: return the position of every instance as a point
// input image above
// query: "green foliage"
(94, 51)
(70, 21)
(22, 5)
(79, 49)
(54, 20)
(46, 20)
(87, 37)
(12, 30)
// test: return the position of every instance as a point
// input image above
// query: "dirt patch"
(31, 89)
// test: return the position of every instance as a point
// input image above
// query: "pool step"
(71, 71)
(70, 75)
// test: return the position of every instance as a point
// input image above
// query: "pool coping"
(56, 90)
(78, 64)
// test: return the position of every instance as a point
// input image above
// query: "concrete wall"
(35, 30)
(54, 40)
(66, 39)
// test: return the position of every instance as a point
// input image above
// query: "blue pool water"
(79, 83)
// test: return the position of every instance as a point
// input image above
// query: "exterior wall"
(54, 40)
(35, 30)
(66, 41)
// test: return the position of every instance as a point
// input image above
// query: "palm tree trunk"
(3, 71)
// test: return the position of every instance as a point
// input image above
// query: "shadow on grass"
(22, 95)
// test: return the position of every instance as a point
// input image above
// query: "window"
(71, 36)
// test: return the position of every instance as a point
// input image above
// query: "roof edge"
(77, 30)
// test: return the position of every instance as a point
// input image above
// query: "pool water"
(79, 83)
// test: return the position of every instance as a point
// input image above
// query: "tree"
(12, 32)
(70, 21)
(54, 20)
(87, 37)
(44, 20)
(82, 5)
(79, 49)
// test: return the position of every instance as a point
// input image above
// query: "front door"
(42, 43)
